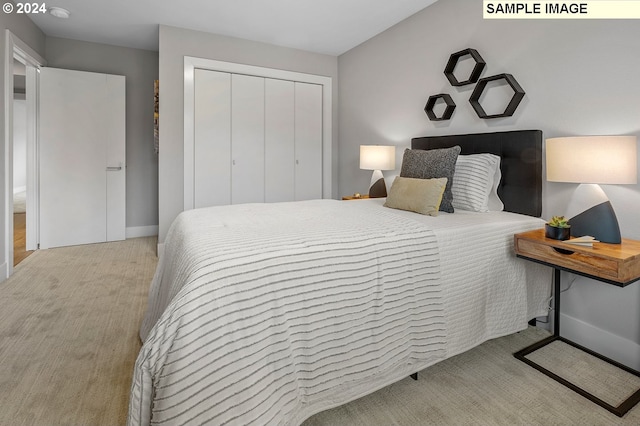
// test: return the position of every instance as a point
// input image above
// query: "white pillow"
(495, 203)
(475, 183)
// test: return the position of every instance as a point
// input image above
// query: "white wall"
(580, 78)
(175, 43)
(19, 144)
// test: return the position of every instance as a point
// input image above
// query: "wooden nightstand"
(352, 197)
(616, 264)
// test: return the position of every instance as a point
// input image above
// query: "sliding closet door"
(279, 160)
(247, 137)
(256, 139)
(275, 126)
(308, 137)
(212, 148)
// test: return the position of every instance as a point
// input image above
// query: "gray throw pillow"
(430, 164)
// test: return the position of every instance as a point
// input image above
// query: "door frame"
(191, 63)
(17, 49)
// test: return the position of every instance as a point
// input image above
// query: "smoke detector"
(59, 12)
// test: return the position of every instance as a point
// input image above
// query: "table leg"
(556, 302)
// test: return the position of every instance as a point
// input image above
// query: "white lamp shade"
(377, 157)
(592, 159)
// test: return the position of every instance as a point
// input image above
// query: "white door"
(212, 134)
(256, 139)
(308, 128)
(279, 140)
(82, 157)
(247, 139)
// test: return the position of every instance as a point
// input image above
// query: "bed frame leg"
(414, 376)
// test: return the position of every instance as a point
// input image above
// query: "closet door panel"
(308, 136)
(247, 139)
(212, 134)
(279, 141)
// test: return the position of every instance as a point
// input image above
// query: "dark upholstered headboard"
(521, 150)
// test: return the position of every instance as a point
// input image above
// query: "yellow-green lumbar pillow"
(417, 195)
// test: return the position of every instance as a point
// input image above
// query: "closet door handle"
(114, 169)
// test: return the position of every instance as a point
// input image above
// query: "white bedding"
(270, 313)
(486, 287)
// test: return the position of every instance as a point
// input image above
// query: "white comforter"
(269, 313)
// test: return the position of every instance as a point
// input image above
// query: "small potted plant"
(557, 228)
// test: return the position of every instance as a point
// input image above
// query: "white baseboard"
(141, 231)
(608, 344)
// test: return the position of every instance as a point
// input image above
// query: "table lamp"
(593, 160)
(377, 158)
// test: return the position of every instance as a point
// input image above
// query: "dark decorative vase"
(556, 233)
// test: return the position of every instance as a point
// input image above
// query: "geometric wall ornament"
(474, 74)
(448, 110)
(518, 94)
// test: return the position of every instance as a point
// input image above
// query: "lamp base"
(377, 189)
(599, 221)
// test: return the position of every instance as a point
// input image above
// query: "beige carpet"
(485, 386)
(69, 319)
(69, 322)
(603, 380)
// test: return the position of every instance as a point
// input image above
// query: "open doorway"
(21, 88)
(20, 251)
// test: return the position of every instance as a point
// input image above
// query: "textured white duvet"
(269, 313)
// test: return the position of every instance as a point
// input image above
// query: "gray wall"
(140, 67)
(580, 78)
(175, 43)
(22, 27)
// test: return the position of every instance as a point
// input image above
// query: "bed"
(270, 313)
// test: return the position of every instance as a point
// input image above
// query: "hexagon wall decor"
(518, 94)
(448, 110)
(475, 73)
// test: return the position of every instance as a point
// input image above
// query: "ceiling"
(324, 26)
